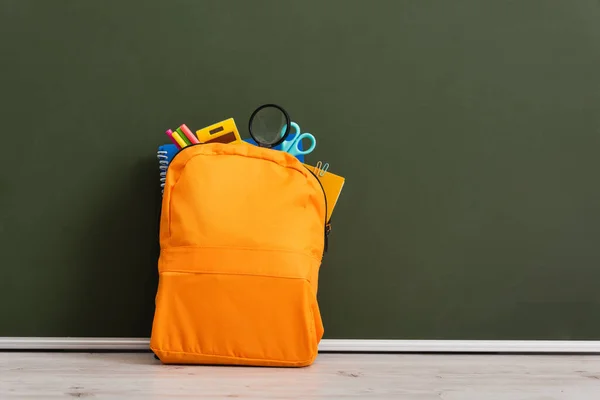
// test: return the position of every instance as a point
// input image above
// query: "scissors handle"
(293, 146)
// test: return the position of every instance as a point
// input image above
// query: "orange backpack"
(242, 234)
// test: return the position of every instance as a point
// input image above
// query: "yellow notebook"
(332, 185)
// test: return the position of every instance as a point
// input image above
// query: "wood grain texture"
(333, 376)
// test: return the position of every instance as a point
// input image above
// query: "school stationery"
(291, 145)
(332, 186)
(169, 133)
(188, 134)
(321, 168)
(221, 132)
(183, 136)
(180, 141)
(269, 125)
(165, 154)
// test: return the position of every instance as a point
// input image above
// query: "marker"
(188, 133)
(169, 133)
(179, 140)
(183, 137)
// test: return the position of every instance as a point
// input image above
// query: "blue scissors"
(292, 145)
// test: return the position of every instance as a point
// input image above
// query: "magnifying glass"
(269, 125)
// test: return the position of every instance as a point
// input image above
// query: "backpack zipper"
(327, 224)
(185, 148)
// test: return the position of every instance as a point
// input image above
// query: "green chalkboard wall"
(468, 132)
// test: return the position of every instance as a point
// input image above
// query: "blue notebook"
(166, 152)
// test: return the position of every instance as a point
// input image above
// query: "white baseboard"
(461, 346)
(73, 343)
(327, 345)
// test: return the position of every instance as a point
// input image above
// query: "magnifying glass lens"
(267, 125)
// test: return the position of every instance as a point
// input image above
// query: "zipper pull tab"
(327, 230)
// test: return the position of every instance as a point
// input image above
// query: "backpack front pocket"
(236, 306)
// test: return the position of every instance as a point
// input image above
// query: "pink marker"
(188, 133)
(169, 133)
